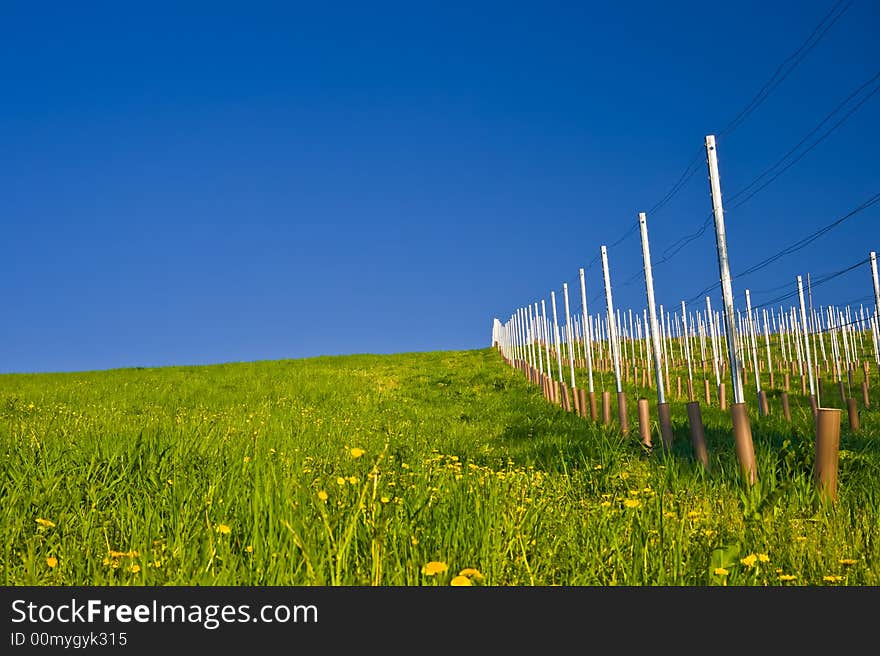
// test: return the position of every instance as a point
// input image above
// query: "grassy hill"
(362, 470)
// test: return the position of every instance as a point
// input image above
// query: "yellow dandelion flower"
(598, 467)
(693, 514)
(801, 538)
(848, 561)
(470, 571)
(624, 475)
(322, 495)
(353, 480)
(356, 452)
(764, 558)
(46, 523)
(632, 503)
(340, 480)
(669, 515)
(384, 499)
(134, 569)
(434, 567)
(750, 560)
(460, 580)
(720, 571)
(223, 529)
(249, 548)
(832, 578)
(52, 561)
(247, 458)
(124, 554)
(787, 577)
(605, 504)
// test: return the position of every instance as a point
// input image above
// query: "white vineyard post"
(807, 340)
(754, 347)
(611, 322)
(556, 334)
(546, 339)
(570, 337)
(588, 338)
(741, 429)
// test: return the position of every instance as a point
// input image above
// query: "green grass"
(211, 476)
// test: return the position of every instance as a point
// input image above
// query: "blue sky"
(187, 184)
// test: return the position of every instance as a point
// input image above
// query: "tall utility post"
(663, 413)
(742, 431)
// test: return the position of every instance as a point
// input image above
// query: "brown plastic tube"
(787, 382)
(814, 405)
(698, 436)
(706, 390)
(842, 391)
(852, 409)
(594, 412)
(576, 401)
(722, 396)
(803, 384)
(865, 398)
(606, 407)
(827, 449)
(665, 422)
(644, 421)
(582, 401)
(742, 438)
(762, 401)
(786, 408)
(678, 386)
(772, 381)
(690, 390)
(566, 399)
(621, 412)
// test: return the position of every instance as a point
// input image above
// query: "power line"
(815, 283)
(798, 56)
(796, 246)
(679, 244)
(813, 145)
(794, 148)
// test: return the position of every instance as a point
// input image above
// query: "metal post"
(570, 336)
(724, 270)
(556, 334)
(536, 337)
(611, 321)
(800, 285)
(653, 331)
(876, 284)
(742, 432)
(652, 308)
(587, 336)
(687, 353)
(754, 345)
(546, 339)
